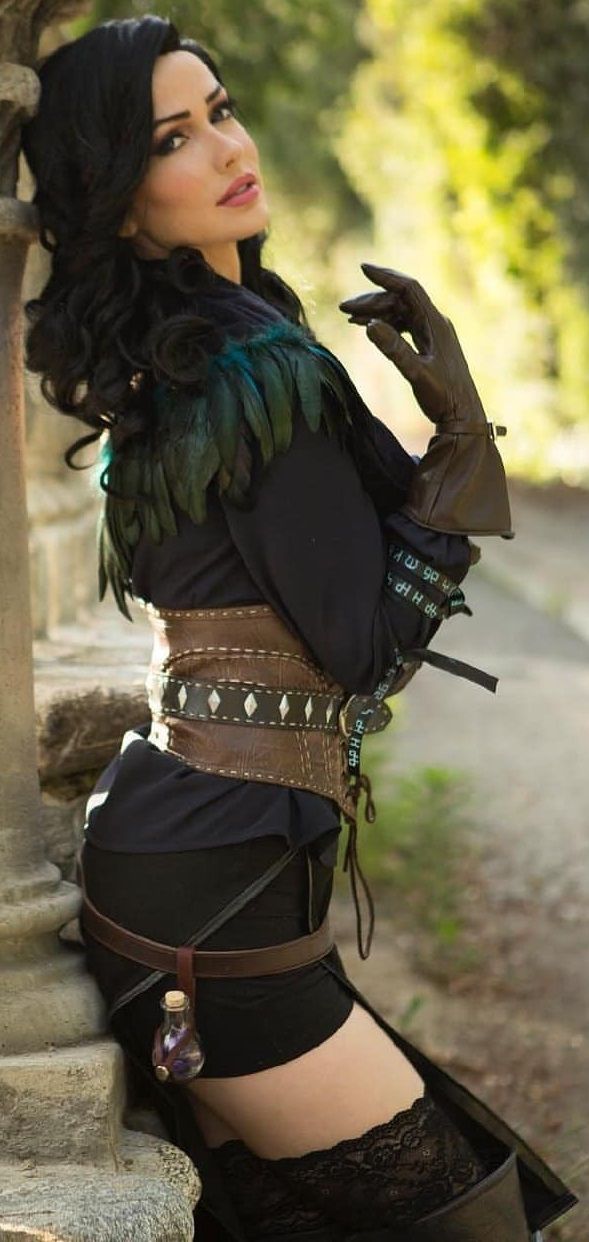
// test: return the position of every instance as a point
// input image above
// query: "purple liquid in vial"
(177, 1021)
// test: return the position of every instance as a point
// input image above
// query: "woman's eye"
(229, 105)
(164, 146)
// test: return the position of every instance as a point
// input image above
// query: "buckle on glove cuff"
(492, 430)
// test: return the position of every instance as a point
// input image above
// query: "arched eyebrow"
(181, 116)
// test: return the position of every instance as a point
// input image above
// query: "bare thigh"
(353, 1081)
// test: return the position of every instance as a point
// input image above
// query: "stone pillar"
(60, 1079)
(63, 509)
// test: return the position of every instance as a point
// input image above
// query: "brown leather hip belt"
(198, 964)
(189, 963)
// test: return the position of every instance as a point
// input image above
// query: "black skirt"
(247, 1025)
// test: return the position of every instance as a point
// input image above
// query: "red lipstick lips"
(237, 190)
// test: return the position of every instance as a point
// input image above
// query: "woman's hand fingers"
(405, 287)
(421, 339)
(407, 308)
(369, 306)
(392, 345)
(393, 281)
(437, 372)
(370, 301)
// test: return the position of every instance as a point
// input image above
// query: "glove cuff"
(459, 487)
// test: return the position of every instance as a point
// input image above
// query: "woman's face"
(194, 160)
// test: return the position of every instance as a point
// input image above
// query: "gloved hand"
(459, 485)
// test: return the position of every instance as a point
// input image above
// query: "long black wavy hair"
(105, 314)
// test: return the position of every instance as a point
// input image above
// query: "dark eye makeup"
(229, 105)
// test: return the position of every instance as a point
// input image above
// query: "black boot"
(491, 1211)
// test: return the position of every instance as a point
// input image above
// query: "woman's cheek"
(182, 182)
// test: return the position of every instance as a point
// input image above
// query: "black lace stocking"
(264, 1203)
(391, 1175)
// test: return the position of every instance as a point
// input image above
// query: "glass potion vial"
(177, 1035)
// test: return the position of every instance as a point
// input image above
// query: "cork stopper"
(175, 1000)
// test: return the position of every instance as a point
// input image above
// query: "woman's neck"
(225, 260)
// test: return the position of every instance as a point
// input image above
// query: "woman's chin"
(256, 219)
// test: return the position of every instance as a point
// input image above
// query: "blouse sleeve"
(318, 551)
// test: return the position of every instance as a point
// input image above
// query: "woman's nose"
(227, 148)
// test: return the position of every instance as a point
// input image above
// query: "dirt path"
(516, 1029)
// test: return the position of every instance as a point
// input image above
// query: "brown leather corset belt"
(235, 692)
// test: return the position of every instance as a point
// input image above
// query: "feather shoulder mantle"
(250, 393)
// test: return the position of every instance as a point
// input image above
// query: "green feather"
(256, 417)
(308, 386)
(109, 569)
(224, 419)
(282, 358)
(238, 485)
(160, 498)
(208, 465)
(276, 402)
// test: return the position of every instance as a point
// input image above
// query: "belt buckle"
(342, 722)
(378, 721)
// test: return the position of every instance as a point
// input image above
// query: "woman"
(294, 562)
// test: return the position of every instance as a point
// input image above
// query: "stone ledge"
(67, 1102)
(80, 729)
(78, 1204)
(89, 689)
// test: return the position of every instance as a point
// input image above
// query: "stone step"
(150, 1199)
(63, 1104)
(70, 1171)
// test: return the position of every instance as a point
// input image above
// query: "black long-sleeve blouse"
(313, 546)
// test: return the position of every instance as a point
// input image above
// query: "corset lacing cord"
(351, 863)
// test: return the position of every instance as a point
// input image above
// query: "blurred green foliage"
(416, 850)
(446, 138)
(467, 133)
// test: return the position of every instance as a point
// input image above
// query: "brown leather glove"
(459, 485)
